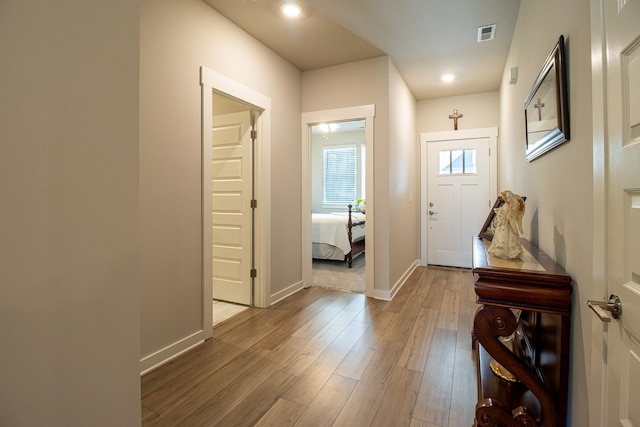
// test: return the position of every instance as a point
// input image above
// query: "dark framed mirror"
(546, 107)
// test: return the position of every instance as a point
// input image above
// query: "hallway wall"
(558, 185)
(377, 81)
(69, 300)
(177, 38)
(479, 110)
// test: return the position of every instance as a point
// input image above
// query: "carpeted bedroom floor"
(336, 274)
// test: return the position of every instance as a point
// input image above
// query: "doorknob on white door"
(606, 310)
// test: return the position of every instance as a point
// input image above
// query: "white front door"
(621, 88)
(459, 194)
(231, 219)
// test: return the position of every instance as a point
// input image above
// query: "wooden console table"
(523, 325)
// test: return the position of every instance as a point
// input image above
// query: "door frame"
(597, 378)
(454, 135)
(366, 112)
(210, 80)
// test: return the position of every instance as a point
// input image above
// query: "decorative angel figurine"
(508, 220)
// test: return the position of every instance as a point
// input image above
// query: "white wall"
(404, 172)
(177, 37)
(376, 81)
(558, 185)
(349, 85)
(479, 110)
(69, 242)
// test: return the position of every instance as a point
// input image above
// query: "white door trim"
(491, 133)
(366, 112)
(597, 380)
(210, 80)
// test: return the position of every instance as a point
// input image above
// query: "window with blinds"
(340, 174)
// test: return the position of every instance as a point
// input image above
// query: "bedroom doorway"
(337, 164)
(338, 171)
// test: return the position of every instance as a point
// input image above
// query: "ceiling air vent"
(486, 33)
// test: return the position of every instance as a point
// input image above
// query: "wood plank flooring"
(330, 358)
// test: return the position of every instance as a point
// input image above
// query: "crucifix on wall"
(539, 106)
(455, 116)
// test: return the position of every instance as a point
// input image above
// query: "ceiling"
(339, 126)
(424, 38)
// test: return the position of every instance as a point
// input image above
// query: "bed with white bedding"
(338, 235)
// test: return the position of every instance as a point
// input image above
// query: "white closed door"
(622, 140)
(458, 198)
(231, 217)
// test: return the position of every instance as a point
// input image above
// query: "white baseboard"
(150, 362)
(165, 355)
(279, 296)
(388, 295)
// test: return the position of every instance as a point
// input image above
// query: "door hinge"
(254, 134)
(254, 203)
(254, 273)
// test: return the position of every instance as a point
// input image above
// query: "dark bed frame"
(357, 246)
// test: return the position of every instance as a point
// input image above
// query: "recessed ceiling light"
(448, 77)
(291, 10)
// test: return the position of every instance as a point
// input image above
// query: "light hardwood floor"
(330, 358)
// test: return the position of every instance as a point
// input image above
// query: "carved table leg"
(491, 323)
